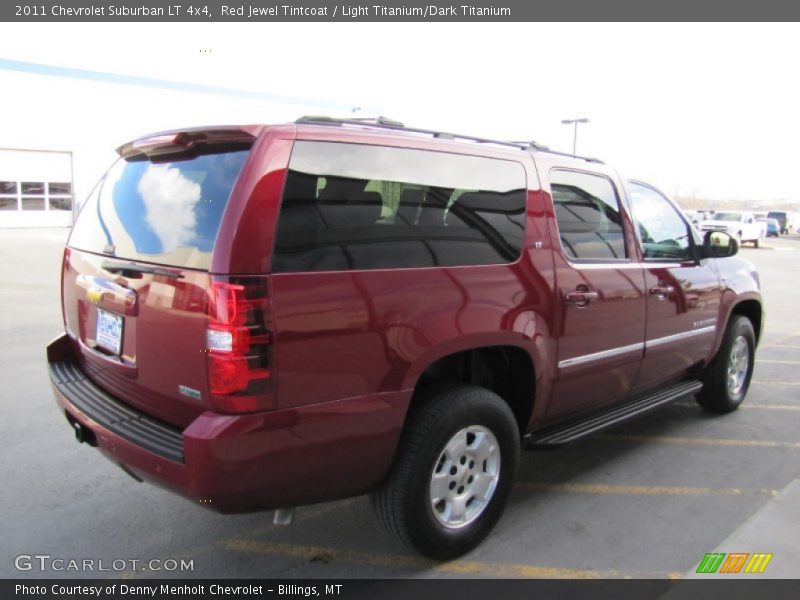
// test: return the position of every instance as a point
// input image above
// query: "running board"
(561, 433)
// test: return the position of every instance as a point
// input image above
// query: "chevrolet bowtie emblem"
(95, 295)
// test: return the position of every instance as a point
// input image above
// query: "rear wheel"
(452, 474)
(728, 376)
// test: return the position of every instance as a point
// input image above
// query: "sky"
(708, 110)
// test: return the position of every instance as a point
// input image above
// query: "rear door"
(368, 270)
(135, 283)
(600, 298)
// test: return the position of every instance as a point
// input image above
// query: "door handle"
(581, 298)
(662, 292)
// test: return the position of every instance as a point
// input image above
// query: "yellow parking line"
(306, 513)
(781, 340)
(637, 490)
(664, 439)
(766, 382)
(458, 567)
(748, 406)
(777, 362)
(771, 406)
(784, 345)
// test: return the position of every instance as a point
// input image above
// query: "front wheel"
(452, 474)
(727, 378)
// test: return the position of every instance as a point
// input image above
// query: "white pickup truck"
(741, 225)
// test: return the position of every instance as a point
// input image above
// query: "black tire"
(755, 243)
(722, 393)
(404, 504)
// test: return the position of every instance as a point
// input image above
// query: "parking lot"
(647, 499)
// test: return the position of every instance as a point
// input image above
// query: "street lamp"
(574, 122)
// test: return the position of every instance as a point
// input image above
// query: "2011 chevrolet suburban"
(263, 317)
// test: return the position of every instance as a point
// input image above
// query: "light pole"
(574, 123)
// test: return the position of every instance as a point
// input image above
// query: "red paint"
(349, 347)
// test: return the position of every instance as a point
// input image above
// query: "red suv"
(264, 317)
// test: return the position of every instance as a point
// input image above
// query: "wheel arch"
(753, 311)
(508, 370)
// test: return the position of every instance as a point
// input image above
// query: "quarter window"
(664, 234)
(588, 216)
(352, 206)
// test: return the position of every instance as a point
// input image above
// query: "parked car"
(786, 220)
(265, 317)
(739, 224)
(773, 227)
(696, 217)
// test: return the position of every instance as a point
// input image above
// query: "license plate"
(109, 331)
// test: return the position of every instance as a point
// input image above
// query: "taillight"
(64, 268)
(239, 345)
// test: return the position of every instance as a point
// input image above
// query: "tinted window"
(60, 203)
(59, 188)
(166, 212)
(348, 206)
(32, 203)
(588, 216)
(30, 187)
(664, 234)
(8, 203)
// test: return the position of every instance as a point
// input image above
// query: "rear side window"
(161, 212)
(588, 216)
(349, 206)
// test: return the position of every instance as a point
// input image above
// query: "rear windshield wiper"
(129, 267)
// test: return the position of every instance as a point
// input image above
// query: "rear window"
(588, 216)
(160, 212)
(349, 206)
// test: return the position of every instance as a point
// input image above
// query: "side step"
(573, 429)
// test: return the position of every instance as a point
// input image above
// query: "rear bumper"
(238, 463)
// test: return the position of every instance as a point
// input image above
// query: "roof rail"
(391, 124)
(541, 148)
(384, 123)
(374, 121)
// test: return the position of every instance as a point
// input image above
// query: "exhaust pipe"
(283, 516)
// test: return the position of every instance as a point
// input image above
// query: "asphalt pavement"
(648, 499)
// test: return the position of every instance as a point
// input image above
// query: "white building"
(35, 188)
(60, 129)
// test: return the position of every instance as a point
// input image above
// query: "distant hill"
(690, 202)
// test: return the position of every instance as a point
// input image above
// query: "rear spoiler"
(190, 142)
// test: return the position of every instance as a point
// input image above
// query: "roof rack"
(536, 146)
(382, 122)
(386, 123)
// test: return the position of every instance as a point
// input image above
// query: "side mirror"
(718, 244)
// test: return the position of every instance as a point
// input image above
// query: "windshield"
(727, 216)
(166, 213)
